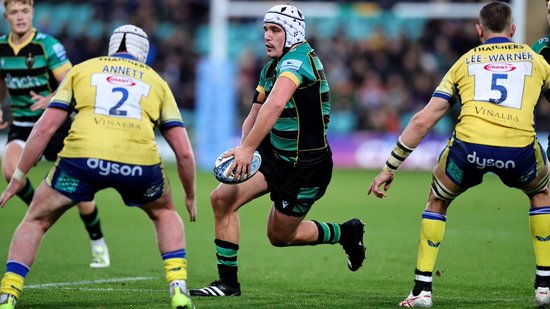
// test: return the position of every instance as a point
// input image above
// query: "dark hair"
(495, 16)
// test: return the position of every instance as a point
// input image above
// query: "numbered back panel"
(119, 96)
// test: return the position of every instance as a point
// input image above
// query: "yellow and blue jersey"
(498, 85)
(117, 102)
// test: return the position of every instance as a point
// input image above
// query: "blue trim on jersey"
(170, 124)
(174, 254)
(59, 105)
(433, 216)
(125, 55)
(497, 40)
(443, 95)
(539, 211)
(17, 268)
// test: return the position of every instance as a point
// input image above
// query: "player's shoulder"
(45, 38)
(300, 52)
(541, 43)
(296, 59)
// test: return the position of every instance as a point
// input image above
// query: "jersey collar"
(497, 40)
(125, 55)
(17, 47)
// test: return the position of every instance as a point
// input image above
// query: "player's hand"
(384, 178)
(13, 187)
(191, 205)
(40, 102)
(3, 124)
(241, 163)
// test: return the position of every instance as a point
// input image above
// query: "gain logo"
(540, 238)
(433, 244)
(482, 163)
(108, 168)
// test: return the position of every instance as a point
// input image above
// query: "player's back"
(498, 85)
(118, 102)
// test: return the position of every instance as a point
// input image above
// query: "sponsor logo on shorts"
(110, 168)
(153, 191)
(454, 171)
(66, 183)
(482, 163)
(284, 204)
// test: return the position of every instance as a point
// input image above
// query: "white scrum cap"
(292, 21)
(130, 39)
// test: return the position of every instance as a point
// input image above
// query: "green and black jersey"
(27, 67)
(542, 47)
(300, 134)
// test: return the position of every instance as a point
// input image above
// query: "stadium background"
(487, 261)
(382, 67)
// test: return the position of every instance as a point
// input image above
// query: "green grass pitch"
(486, 258)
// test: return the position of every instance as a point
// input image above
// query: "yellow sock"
(12, 284)
(539, 221)
(432, 229)
(175, 269)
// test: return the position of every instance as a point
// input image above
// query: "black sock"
(542, 281)
(226, 253)
(92, 224)
(27, 192)
(419, 285)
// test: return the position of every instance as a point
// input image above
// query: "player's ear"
(479, 30)
(512, 30)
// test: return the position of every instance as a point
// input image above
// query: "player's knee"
(541, 198)
(219, 202)
(278, 240)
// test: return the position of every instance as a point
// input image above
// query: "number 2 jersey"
(118, 102)
(498, 85)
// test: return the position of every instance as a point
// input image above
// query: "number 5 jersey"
(498, 85)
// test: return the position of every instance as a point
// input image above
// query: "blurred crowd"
(377, 82)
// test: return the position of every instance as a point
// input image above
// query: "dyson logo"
(107, 168)
(483, 162)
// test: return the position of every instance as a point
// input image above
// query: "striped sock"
(329, 233)
(92, 224)
(27, 192)
(226, 253)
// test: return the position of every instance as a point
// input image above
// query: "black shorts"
(295, 189)
(54, 146)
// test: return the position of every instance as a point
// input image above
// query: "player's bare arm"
(252, 115)
(41, 133)
(420, 125)
(178, 140)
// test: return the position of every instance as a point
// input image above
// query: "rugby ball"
(222, 165)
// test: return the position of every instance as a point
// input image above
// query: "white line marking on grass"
(113, 290)
(100, 281)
